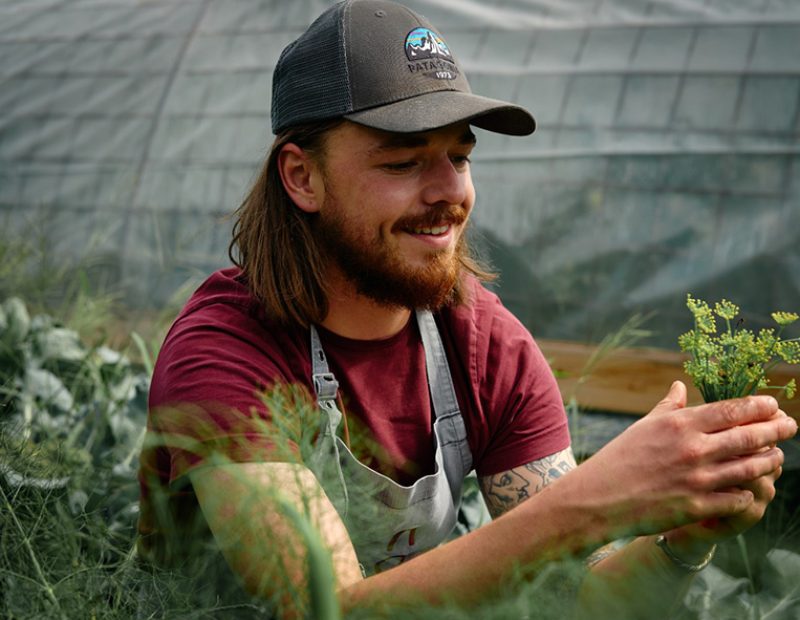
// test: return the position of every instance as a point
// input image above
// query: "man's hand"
(700, 474)
(692, 541)
(714, 463)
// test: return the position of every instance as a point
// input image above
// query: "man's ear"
(301, 177)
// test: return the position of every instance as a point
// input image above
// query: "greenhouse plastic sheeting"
(666, 158)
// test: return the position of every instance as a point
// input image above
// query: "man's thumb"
(675, 398)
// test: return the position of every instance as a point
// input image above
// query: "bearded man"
(354, 284)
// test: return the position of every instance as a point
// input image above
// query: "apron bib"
(389, 523)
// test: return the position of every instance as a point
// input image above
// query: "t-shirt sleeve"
(522, 404)
(207, 394)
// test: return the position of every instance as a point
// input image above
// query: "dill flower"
(703, 318)
(790, 388)
(789, 351)
(784, 318)
(726, 309)
(735, 361)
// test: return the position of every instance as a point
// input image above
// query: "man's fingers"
(764, 488)
(742, 472)
(724, 414)
(757, 437)
(675, 399)
(727, 502)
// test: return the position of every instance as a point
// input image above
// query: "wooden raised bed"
(633, 380)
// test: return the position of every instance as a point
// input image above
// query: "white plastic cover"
(666, 159)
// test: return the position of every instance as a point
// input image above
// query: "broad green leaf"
(47, 388)
(18, 321)
(59, 344)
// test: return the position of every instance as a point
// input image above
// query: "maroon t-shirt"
(222, 353)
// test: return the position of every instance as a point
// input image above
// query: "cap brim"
(445, 107)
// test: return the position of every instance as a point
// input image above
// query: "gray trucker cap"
(379, 64)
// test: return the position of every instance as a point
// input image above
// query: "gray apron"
(389, 523)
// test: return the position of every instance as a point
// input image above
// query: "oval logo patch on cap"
(430, 55)
(423, 43)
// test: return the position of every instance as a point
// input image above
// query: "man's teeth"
(436, 230)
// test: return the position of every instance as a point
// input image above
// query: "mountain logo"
(424, 43)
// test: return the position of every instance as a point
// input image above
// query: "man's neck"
(365, 322)
(355, 316)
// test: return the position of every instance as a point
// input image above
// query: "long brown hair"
(274, 246)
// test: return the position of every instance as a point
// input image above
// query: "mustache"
(435, 216)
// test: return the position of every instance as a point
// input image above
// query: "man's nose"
(444, 183)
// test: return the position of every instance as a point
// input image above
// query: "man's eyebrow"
(415, 140)
(468, 138)
(401, 141)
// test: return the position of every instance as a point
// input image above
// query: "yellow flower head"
(734, 363)
(789, 351)
(726, 309)
(790, 389)
(703, 317)
(784, 318)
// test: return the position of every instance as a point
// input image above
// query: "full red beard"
(382, 275)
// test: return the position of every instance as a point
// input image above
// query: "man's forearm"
(636, 581)
(471, 568)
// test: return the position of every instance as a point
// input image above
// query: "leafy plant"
(55, 389)
(730, 363)
(71, 422)
(716, 593)
(71, 419)
(735, 361)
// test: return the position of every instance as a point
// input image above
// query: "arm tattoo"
(551, 467)
(505, 490)
(605, 551)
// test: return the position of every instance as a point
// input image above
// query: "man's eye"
(460, 160)
(400, 166)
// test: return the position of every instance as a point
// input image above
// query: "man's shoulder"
(223, 317)
(226, 288)
(221, 343)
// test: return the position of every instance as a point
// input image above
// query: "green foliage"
(582, 428)
(56, 389)
(77, 284)
(473, 512)
(734, 362)
(71, 422)
(716, 593)
(323, 602)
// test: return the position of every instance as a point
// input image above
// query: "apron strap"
(325, 464)
(325, 384)
(453, 436)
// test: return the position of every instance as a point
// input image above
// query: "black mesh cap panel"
(310, 79)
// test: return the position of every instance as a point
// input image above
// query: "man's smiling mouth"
(431, 230)
(438, 224)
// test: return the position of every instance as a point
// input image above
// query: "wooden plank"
(633, 380)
